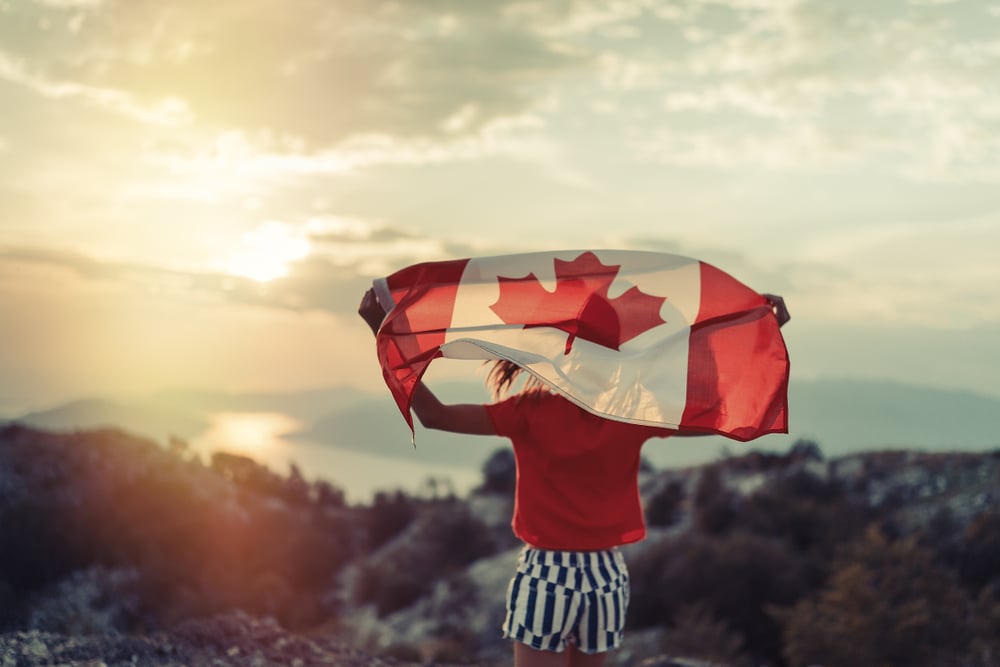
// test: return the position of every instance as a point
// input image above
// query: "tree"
(714, 502)
(664, 506)
(887, 603)
(500, 473)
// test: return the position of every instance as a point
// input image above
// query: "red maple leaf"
(580, 305)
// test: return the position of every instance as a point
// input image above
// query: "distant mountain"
(186, 413)
(374, 425)
(140, 417)
(848, 416)
(842, 416)
(851, 415)
(305, 406)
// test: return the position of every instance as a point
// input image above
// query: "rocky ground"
(237, 640)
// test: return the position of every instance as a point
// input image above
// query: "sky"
(196, 194)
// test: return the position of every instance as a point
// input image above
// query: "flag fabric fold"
(641, 337)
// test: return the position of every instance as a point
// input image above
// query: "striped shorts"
(561, 597)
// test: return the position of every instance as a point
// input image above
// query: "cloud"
(334, 230)
(795, 147)
(315, 284)
(339, 86)
(813, 83)
(70, 4)
(323, 265)
(234, 162)
(168, 111)
(932, 274)
(322, 72)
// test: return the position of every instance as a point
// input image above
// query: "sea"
(263, 436)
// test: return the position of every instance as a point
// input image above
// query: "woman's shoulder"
(542, 395)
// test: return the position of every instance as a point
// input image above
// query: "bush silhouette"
(440, 541)
(986, 626)
(201, 540)
(664, 507)
(499, 473)
(886, 603)
(813, 515)
(696, 633)
(388, 515)
(714, 503)
(979, 556)
(735, 578)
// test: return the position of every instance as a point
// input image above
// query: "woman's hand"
(779, 308)
(371, 310)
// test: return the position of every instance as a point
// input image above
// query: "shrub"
(696, 633)
(886, 603)
(812, 514)
(35, 548)
(439, 543)
(500, 473)
(805, 450)
(714, 502)
(986, 626)
(979, 552)
(91, 601)
(735, 577)
(388, 515)
(200, 540)
(663, 508)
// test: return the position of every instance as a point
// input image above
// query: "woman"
(576, 501)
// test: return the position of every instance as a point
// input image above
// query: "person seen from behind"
(576, 501)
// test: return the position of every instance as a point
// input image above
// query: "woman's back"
(577, 472)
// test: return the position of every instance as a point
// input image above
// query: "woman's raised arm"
(468, 418)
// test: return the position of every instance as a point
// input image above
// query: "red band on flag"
(641, 337)
(411, 336)
(737, 363)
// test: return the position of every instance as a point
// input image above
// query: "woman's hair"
(502, 375)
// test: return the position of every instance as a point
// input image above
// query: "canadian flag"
(642, 337)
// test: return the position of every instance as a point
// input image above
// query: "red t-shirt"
(577, 473)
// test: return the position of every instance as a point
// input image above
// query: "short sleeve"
(507, 419)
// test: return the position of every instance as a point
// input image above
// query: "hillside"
(113, 546)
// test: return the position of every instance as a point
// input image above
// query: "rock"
(35, 649)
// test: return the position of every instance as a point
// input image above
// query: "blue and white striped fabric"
(560, 597)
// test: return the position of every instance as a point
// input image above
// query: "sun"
(265, 253)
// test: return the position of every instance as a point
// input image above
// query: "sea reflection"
(265, 437)
(253, 434)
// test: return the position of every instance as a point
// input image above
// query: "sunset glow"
(198, 193)
(265, 253)
(256, 434)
